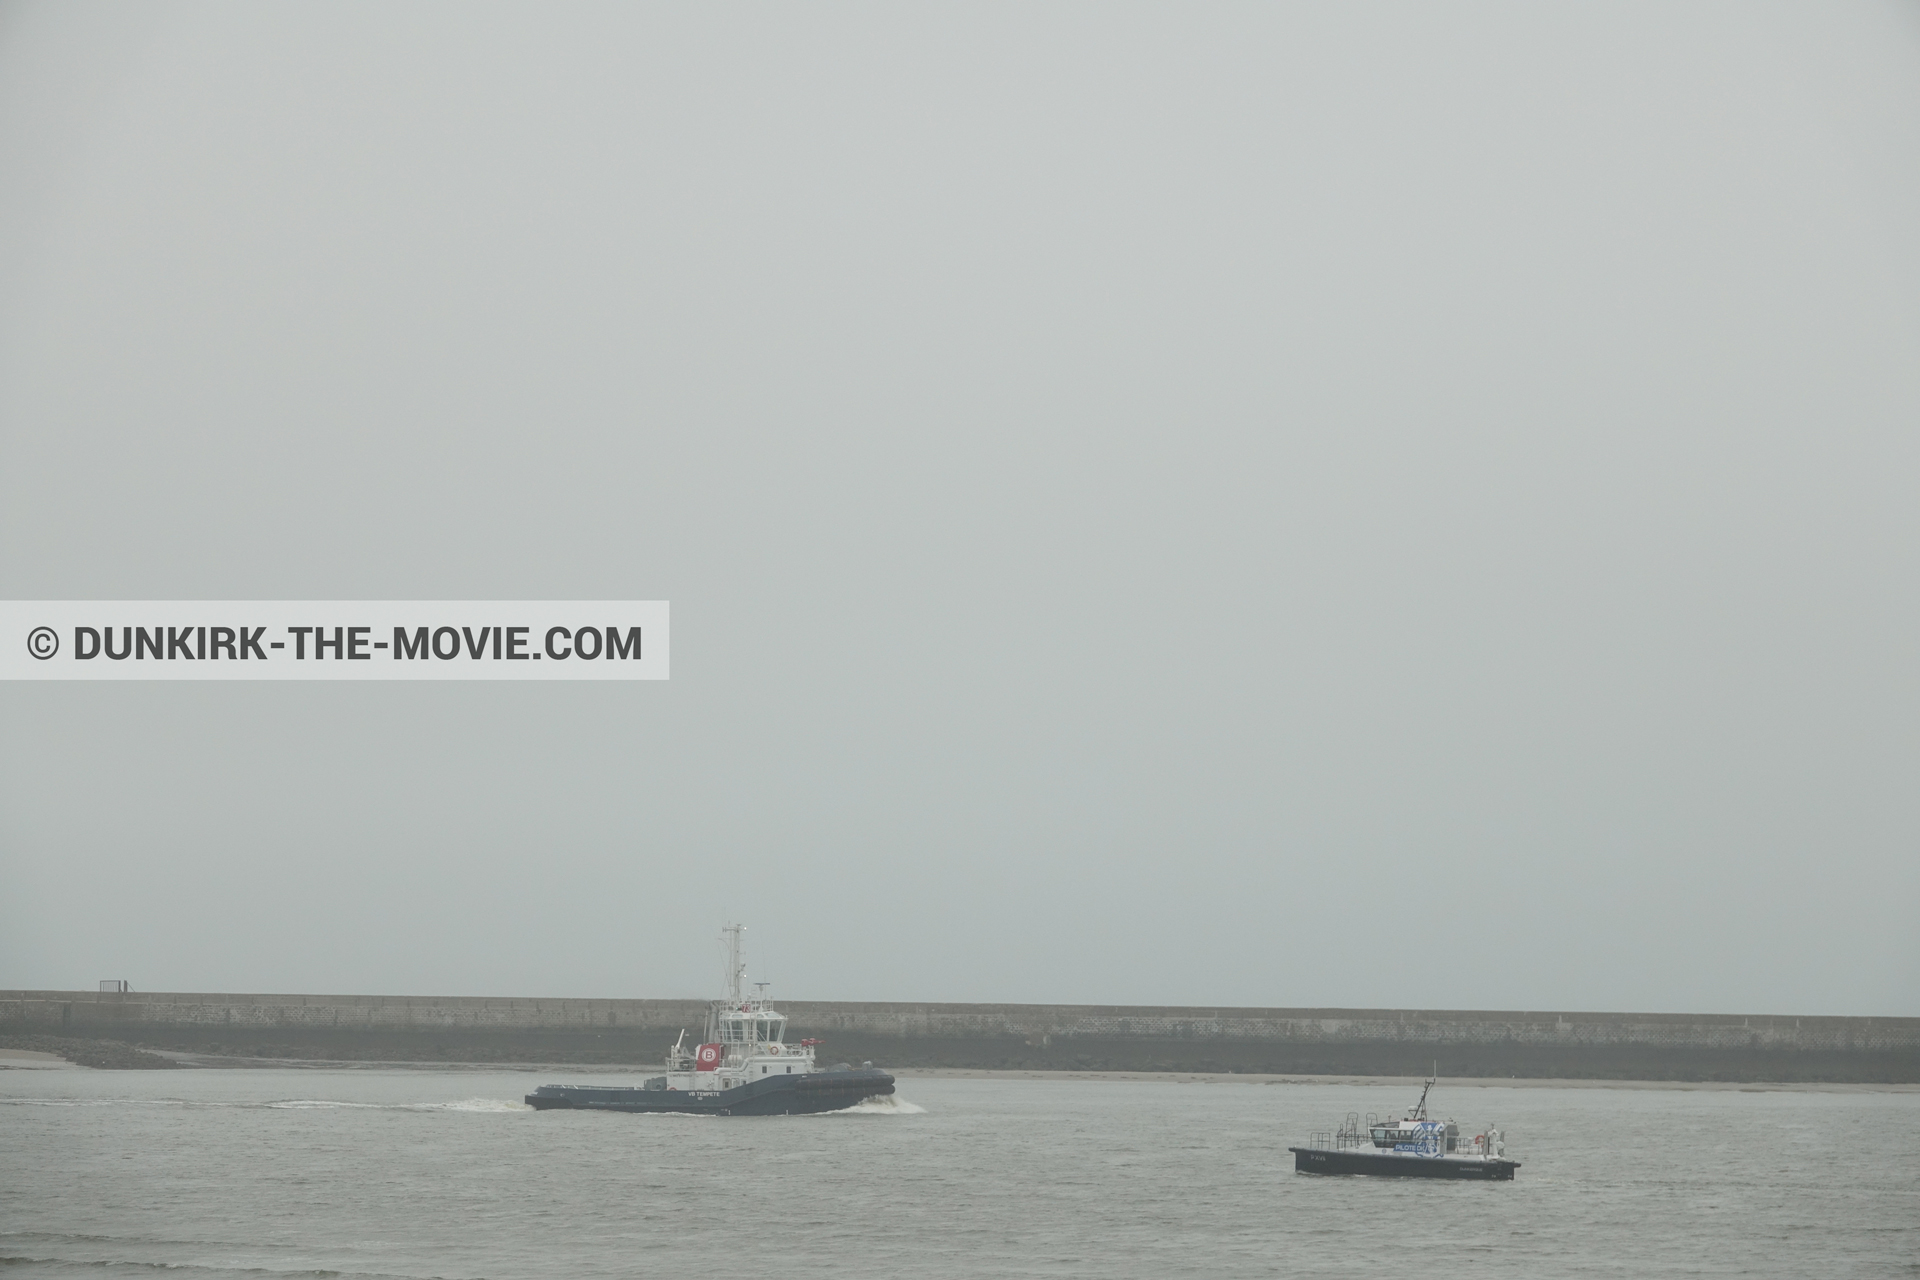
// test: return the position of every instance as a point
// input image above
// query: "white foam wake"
(891, 1104)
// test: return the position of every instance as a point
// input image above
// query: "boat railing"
(1348, 1137)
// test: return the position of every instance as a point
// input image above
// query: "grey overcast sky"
(1356, 504)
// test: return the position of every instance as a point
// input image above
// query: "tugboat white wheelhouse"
(744, 1066)
(1413, 1147)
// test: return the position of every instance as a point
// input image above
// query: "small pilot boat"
(1410, 1147)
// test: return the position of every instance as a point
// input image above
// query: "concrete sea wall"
(1362, 1041)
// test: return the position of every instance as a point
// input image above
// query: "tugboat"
(1411, 1147)
(744, 1067)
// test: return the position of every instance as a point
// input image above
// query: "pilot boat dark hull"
(781, 1095)
(1381, 1164)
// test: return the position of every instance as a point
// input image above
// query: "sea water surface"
(424, 1173)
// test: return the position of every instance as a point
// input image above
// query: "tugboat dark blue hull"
(1317, 1160)
(781, 1095)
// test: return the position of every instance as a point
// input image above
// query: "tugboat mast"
(736, 962)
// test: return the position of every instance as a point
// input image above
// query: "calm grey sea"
(412, 1173)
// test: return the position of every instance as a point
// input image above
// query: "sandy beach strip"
(33, 1060)
(1452, 1082)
